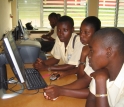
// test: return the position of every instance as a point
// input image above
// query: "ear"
(109, 52)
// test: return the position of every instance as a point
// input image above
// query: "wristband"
(101, 95)
(83, 63)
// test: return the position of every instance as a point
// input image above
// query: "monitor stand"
(4, 95)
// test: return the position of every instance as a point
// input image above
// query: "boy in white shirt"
(63, 48)
(106, 57)
(48, 40)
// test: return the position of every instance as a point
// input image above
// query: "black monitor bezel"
(11, 57)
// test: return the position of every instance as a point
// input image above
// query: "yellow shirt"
(72, 55)
(115, 90)
(54, 35)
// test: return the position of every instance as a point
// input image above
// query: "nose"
(60, 33)
(81, 35)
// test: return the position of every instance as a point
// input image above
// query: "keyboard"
(33, 79)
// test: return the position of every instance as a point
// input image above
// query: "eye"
(65, 30)
(58, 30)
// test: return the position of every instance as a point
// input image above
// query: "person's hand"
(39, 65)
(85, 51)
(43, 36)
(38, 60)
(61, 73)
(101, 74)
(52, 92)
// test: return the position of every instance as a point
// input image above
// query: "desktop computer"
(22, 36)
(29, 49)
(13, 57)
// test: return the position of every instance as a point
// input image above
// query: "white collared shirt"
(72, 55)
(88, 69)
(115, 90)
(54, 35)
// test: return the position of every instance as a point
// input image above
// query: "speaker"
(3, 77)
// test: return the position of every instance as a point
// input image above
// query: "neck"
(114, 68)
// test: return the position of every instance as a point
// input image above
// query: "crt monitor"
(16, 33)
(21, 29)
(13, 57)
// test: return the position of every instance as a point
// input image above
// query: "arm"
(54, 91)
(43, 65)
(100, 77)
(90, 100)
(81, 67)
(101, 89)
(48, 34)
(65, 73)
(49, 38)
(50, 63)
(77, 89)
(62, 67)
(79, 83)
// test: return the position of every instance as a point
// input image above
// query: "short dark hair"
(111, 36)
(52, 15)
(66, 19)
(93, 21)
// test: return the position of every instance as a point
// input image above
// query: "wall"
(14, 13)
(5, 20)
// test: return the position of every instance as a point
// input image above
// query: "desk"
(37, 100)
(33, 36)
(40, 30)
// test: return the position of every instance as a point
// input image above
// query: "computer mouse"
(54, 77)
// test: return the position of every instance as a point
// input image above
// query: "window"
(111, 13)
(37, 11)
(120, 18)
(49, 6)
(29, 10)
(77, 9)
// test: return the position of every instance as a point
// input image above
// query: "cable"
(50, 82)
(15, 84)
(24, 93)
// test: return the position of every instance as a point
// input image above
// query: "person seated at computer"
(58, 15)
(48, 40)
(63, 48)
(78, 88)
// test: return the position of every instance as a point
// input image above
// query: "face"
(98, 55)
(64, 31)
(86, 33)
(52, 21)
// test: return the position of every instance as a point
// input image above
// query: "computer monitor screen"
(16, 33)
(13, 57)
(21, 29)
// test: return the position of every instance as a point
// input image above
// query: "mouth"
(61, 38)
(83, 41)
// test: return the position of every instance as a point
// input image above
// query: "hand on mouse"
(54, 76)
(61, 74)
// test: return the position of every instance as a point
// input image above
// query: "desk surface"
(37, 100)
